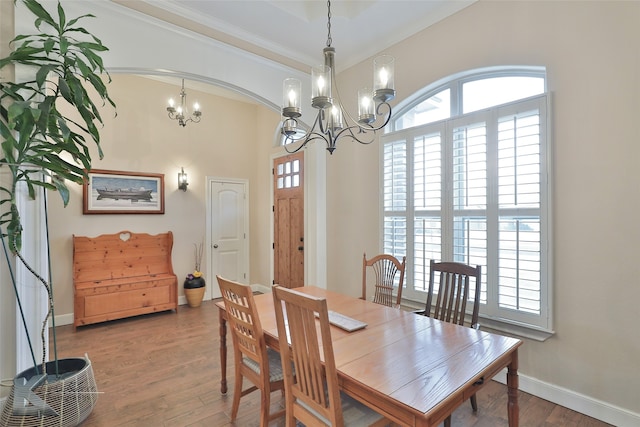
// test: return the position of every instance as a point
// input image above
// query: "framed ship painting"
(117, 192)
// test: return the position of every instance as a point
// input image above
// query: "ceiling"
(297, 30)
(294, 32)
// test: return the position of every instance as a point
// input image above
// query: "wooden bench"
(122, 275)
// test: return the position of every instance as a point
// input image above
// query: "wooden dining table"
(413, 369)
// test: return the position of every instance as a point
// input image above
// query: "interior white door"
(228, 236)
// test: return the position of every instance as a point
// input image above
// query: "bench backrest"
(121, 255)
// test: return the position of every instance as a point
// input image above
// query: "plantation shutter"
(473, 189)
(521, 161)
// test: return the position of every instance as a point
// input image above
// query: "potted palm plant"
(47, 123)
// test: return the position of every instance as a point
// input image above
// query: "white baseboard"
(63, 319)
(261, 288)
(594, 408)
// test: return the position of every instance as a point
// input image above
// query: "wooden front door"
(288, 220)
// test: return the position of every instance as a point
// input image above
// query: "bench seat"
(122, 275)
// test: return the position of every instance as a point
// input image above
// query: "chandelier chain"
(329, 23)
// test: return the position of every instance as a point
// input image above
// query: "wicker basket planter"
(72, 396)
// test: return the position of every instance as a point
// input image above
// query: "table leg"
(223, 350)
(512, 390)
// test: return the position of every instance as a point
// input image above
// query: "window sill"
(497, 325)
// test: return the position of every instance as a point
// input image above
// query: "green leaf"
(30, 189)
(84, 69)
(49, 45)
(61, 15)
(40, 12)
(41, 75)
(35, 133)
(64, 45)
(14, 229)
(63, 86)
(92, 46)
(62, 189)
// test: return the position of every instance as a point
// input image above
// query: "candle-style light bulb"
(320, 85)
(196, 107)
(171, 102)
(365, 107)
(291, 89)
(383, 81)
(365, 102)
(336, 118)
(292, 98)
(384, 77)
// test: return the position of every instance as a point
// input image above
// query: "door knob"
(215, 246)
(300, 248)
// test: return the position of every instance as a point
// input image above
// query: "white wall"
(592, 54)
(141, 138)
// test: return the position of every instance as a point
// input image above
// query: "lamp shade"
(366, 112)
(383, 67)
(383, 78)
(291, 94)
(321, 86)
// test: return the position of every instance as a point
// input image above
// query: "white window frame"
(534, 326)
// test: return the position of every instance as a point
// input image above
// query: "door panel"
(229, 252)
(289, 220)
(282, 244)
(297, 241)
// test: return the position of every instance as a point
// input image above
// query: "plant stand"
(194, 296)
(69, 398)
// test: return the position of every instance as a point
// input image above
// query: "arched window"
(465, 178)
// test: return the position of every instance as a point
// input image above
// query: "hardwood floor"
(164, 370)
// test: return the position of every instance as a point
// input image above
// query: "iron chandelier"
(333, 121)
(180, 113)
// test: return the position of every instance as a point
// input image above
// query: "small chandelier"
(180, 113)
(333, 121)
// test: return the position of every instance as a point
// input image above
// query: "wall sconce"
(182, 180)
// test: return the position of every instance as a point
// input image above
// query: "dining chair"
(449, 301)
(313, 396)
(253, 359)
(386, 268)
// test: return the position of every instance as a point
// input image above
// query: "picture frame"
(120, 192)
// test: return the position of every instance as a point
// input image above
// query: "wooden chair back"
(386, 268)
(312, 396)
(454, 282)
(450, 305)
(252, 359)
(246, 330)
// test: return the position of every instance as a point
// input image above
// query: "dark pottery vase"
(194, 291)
(196, 282)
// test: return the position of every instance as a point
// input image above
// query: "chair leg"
(237, 393)
(474, 403)
(265, 403)
(447, 421)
